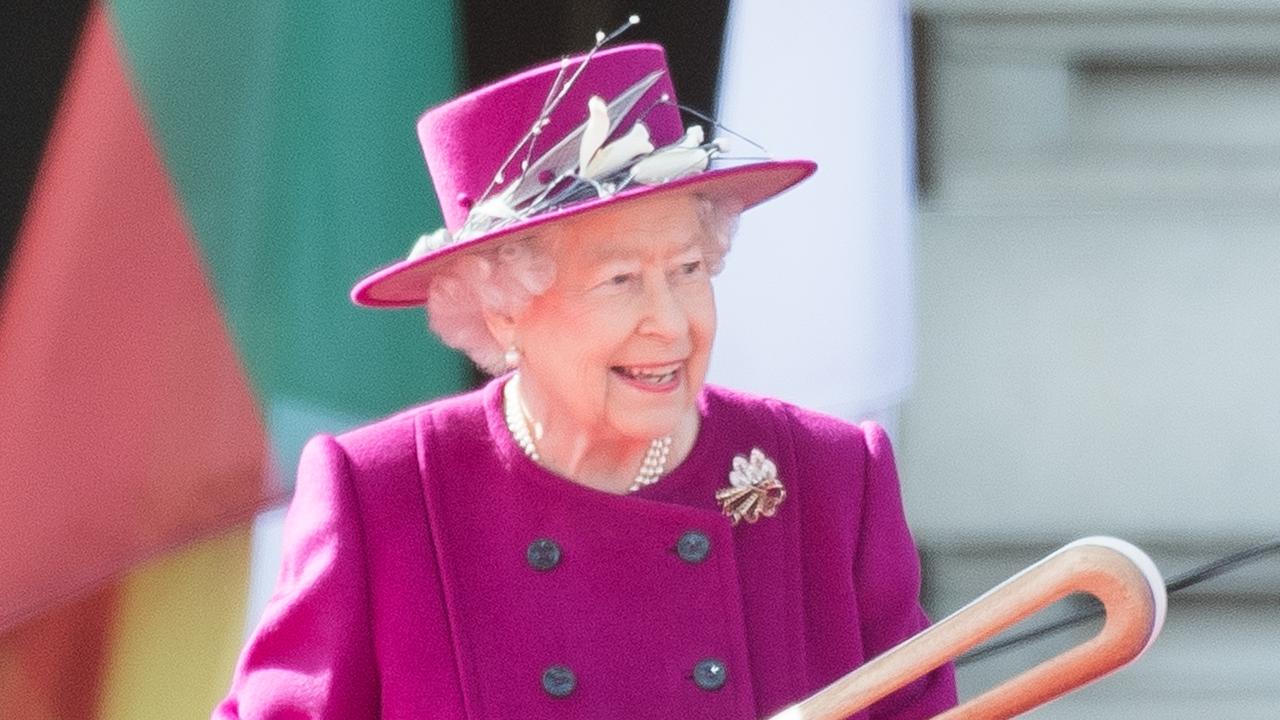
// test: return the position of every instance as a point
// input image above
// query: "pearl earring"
(511, 356)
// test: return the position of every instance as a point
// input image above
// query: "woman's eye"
(620, 279)
(690, 268)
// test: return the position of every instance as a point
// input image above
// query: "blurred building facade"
(1098, 319)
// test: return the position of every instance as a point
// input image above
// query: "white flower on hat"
(595, 132)
(617, 154)
(495, 207)
(686, 157)
(595, 161)
(430, 242)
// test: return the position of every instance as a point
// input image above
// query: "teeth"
(654, 376)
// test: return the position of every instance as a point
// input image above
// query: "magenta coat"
(433, 571)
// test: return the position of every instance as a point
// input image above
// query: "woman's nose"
(664, 315)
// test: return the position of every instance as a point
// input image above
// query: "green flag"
(288, 129)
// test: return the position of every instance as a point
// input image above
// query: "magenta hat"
(557, 141)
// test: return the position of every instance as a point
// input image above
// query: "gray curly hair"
(506, 277)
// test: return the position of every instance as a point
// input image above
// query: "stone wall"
(1098, 309)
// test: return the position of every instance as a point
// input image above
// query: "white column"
(815, 298)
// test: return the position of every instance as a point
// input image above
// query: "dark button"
(543, 554)
(693, 546)
(559, 681)
(710, 674)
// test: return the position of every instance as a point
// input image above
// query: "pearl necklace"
(655, 458)
(655, 463)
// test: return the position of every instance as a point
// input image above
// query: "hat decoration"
(582, 165)
(626, 142)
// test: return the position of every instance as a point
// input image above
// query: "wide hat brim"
(407, 283)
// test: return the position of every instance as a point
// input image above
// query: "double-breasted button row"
(692, 547)
(544, 553)
(709, 674)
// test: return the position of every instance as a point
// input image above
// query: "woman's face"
(618, 346)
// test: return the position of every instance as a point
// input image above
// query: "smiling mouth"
(653, 375)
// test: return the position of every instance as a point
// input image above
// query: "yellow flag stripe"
(179, 627)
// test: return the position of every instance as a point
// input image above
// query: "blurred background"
(1042, 249)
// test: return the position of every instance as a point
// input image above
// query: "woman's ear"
(502, 326)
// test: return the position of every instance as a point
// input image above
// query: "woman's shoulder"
(805, 426)
(394, 439)
(829, 455)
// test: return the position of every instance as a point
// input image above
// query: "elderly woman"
(596, 533)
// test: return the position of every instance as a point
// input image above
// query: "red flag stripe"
(126, 420)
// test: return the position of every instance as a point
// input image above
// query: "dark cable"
(1178, 582)
(1220, 566)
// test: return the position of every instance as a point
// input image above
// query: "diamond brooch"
(754, 489)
